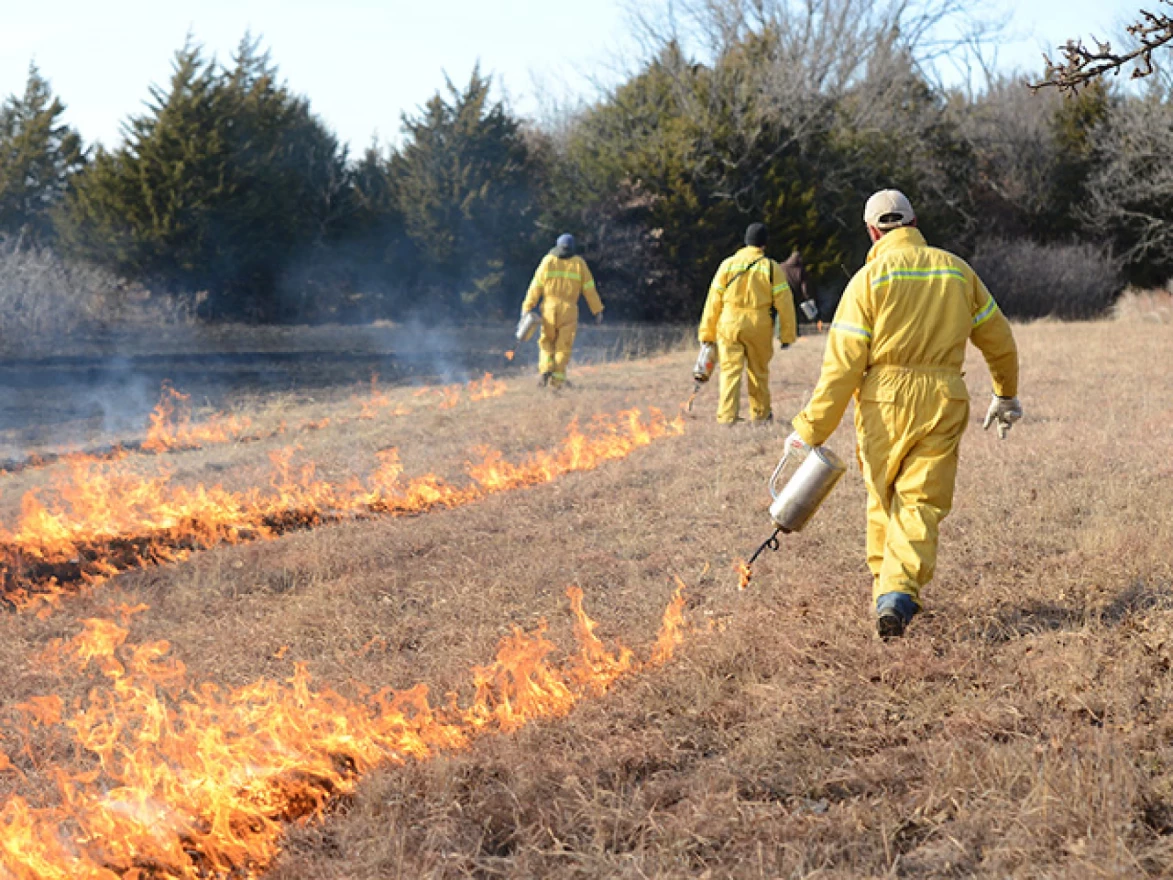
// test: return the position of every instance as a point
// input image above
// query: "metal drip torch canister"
(702, 370)
(806, 489)
(793, 507)
(527, 325)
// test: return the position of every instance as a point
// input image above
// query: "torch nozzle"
(770, 542)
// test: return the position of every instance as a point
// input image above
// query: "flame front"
(744, 574)
(196, 781)
(169, 426)
(102, 517)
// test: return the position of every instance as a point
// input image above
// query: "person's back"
(914, 307)
(737, 317)
(898, 345)
(748, 279)
(923, 300)
(560, 279)
(564, 279)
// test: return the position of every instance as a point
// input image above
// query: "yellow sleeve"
(713, 304)
(588, 289)
(992, 335)
(784, 305)
(845, 360)
(534, 295)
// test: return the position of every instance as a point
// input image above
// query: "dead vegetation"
(1021, 731)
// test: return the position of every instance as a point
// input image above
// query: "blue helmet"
(565, 243)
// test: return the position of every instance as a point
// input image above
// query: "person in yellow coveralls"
(737, 317)
(897, 344)
(559, 281)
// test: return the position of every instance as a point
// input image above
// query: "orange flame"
(485, 387)
(170, 426)
(509, 355)
(744, 573)
(102, 518)
(192, 781)
(671, 627)
(375, 400)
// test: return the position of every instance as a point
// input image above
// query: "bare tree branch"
(1080, 65)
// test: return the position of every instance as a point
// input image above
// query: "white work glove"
(1003, 412)
(809, 308)
(599, 318)
(796, 447)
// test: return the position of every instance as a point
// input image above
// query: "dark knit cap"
(564, 247)
(755, 235)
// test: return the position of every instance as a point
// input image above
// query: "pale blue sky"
(364, 62)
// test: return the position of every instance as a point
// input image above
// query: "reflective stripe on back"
(918, 274)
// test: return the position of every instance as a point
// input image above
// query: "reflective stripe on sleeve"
(986, 313)
(853, 329)
(778, 288)
(590, 285)
(917, 274)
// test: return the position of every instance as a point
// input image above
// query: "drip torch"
(702, 370)
(527, 325)
(793, 506)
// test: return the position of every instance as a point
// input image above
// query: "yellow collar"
(897, 240)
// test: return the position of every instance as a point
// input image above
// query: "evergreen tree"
(1073, 129)
(462, 183)
(218, 185)
(701, 152)
(38, 156)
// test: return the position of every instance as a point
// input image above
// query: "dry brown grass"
(1022, 730)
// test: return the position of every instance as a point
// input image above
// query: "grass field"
(1024, 729)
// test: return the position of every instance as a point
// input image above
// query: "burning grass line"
(171, 427)
(103, 519)
(192, 781)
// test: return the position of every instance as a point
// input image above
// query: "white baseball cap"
(888, 209)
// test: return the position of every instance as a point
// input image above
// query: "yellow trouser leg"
(732, 363)
(759, 348)
(563, 345)
(546, 346)
(909, 454)
(877, 532)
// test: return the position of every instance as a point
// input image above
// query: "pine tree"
(462, 180)
(38, 156)
(220, 184)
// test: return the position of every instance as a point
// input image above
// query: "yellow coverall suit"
(557, 284)
(737, 318)
(898, 344)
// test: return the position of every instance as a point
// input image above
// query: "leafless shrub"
(1148, 306)
(796, 68)
(1032, 280)
(43, 297)
(1131, 193)
(1011, 131)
